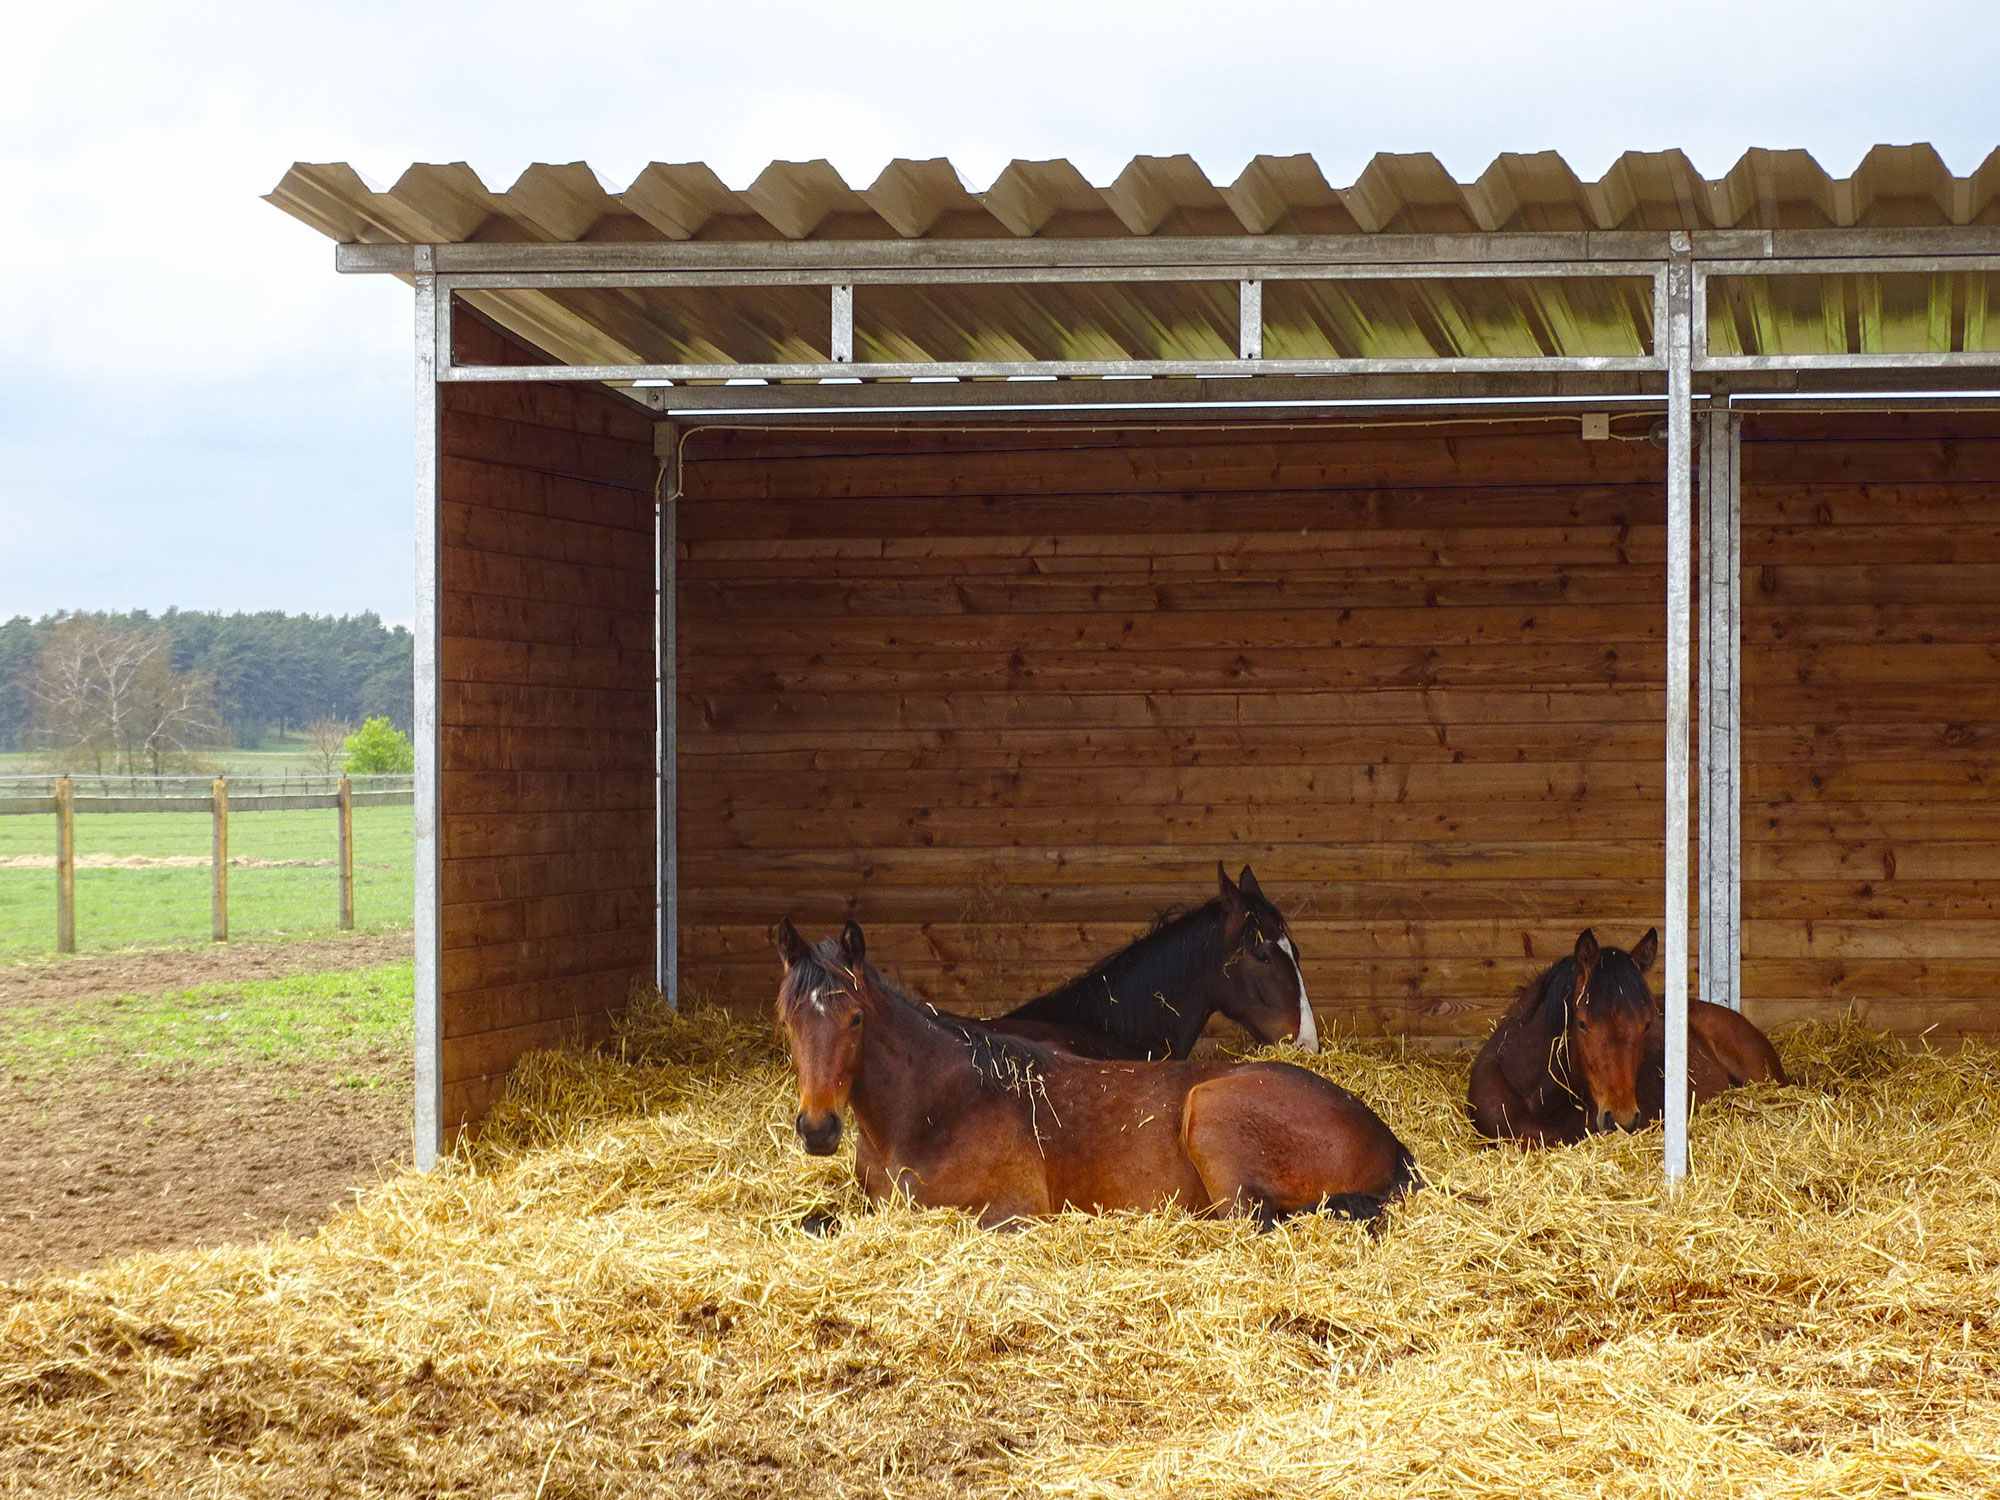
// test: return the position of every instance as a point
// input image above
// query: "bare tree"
(112, 699)
(326, 742)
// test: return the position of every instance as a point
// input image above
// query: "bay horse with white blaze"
(955, 1116)
(1152, 998)
(1583, 1051)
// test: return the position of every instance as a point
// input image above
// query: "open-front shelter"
(986, 565)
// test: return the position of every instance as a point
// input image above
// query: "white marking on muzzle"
(1308, 1037)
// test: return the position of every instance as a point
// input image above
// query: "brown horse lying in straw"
(1583, 1050)
(955, 1116)
(1151, 999)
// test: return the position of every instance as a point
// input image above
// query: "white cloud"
(146, 278)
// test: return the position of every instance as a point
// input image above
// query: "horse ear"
(791, 947)
(1646, 949)
(1232, 898)
(1586, 948)
(1235, 910)
(1248, 885)
(853, 946)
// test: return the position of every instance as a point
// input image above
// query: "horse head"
(822, 1006)
(1610, 1014)
(1260, 985)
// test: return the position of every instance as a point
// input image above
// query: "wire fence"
(94, 862)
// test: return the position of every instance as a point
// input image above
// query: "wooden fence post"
(346, 806)
(65, 866)
(219, 906)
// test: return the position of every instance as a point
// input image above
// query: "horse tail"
(1371, 1208)
(1409, 1178)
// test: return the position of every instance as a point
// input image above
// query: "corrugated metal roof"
(1893, 187)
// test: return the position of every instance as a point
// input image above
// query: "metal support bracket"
(1250, 320)
(842, 342)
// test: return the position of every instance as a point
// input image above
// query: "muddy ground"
(105, 1158)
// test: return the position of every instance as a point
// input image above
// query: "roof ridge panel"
(447, 198)
(562, 202)
(911, 196)
(1155, 189)
(1272, 190)
(1028, 194)
(1410, 192)
(680, 199)
(796, 197)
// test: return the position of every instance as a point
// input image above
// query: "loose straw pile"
(609, 1295)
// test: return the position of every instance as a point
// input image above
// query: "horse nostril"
(820, 1137)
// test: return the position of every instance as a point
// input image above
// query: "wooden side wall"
(1872, 720)
(547, 575)
(1005, 696)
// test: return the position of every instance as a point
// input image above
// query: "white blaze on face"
(1308, 1038)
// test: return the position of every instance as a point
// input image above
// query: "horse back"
(1272, 1139)
(1077, 1040)
(1743, 1052)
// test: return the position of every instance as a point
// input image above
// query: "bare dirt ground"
(147, 971)
(104, 1159)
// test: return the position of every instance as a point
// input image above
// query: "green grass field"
(281, 757)
(300, 1018)
(296, 893)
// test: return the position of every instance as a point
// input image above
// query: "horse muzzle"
(1608, 1122)
(820, 1137)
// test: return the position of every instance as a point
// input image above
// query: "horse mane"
(1006, 1061)
(1616, 983)
(1123, 994)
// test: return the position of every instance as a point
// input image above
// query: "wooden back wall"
(1004, 696)
(1871, 738)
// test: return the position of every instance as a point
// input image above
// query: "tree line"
(139, 692)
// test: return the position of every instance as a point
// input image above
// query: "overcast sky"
(195, 410)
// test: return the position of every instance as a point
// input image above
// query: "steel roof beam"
(1733, 245)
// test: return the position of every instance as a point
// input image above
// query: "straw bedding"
(609, 1294)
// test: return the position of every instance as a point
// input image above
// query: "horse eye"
(1261, 953)
(854, 1020)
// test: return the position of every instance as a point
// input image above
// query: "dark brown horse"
(955, 1116)
(1583, 1050)
(1152, 998)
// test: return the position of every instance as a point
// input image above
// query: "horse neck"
(1544, 1029)
(911, 1071)
(1123, 998)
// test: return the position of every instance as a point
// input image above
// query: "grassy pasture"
(293, 889)
(300, 1018)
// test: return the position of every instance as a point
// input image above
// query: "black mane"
(1616, 984)
(1123, 995)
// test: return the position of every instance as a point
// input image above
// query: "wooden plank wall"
(547, 575)
(1005, 695)
(1872, 720)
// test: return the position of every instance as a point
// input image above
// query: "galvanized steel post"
(1721, 838)
(666, 677)
(1678, 297)
(428, 1121)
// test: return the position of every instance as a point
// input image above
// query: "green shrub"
(379, 748)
